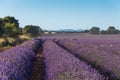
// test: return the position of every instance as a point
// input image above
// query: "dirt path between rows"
(38, 68)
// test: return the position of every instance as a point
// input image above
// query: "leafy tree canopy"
(95, 30)
(32, 30)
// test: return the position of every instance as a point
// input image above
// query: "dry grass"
(21, 38)
(4, 48)
(1, 40)
(10, 40)
(24, 37)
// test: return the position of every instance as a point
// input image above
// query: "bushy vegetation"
(11, 41)
(94, 30)
(110, 30)
(9, 26)
(10, 32)
(32, 31)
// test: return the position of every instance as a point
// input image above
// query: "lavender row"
(111, 46)
(17, 63)
(102, 58)
(61, 65)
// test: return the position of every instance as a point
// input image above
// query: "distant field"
(85, 36)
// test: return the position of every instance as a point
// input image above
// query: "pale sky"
(63, 14)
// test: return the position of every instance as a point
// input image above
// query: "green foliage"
(11, 20)
(19, 31)
(32, 31)
(1, 27)
(10, 30)
(95, 30)
(112, 30)
(9, 26)
(103, 32)
(86, 31)
(1, 31)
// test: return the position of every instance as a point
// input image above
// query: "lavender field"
(71, 56)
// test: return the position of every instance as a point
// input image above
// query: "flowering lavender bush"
(17, 63)
(96, 52)
(61, 65)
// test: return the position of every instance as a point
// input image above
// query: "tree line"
(9, 26)
(110, 30)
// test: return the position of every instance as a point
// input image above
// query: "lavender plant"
(61, 65)
(17, 63)
(97, 53)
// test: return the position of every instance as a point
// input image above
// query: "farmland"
(67, 56)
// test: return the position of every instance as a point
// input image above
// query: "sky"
(63, 14)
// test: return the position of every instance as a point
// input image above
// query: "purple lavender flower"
(17, 63)
(101, 53)
(62, 65)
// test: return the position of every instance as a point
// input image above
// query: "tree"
(112, 30)
(95, 30)
(11, 20)
(1, 26)
(103, 32)
(1, 22)
(86, 31)
(32, 31)
(10, 26)
(20, 31)
(10, 30)
(1, 30)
